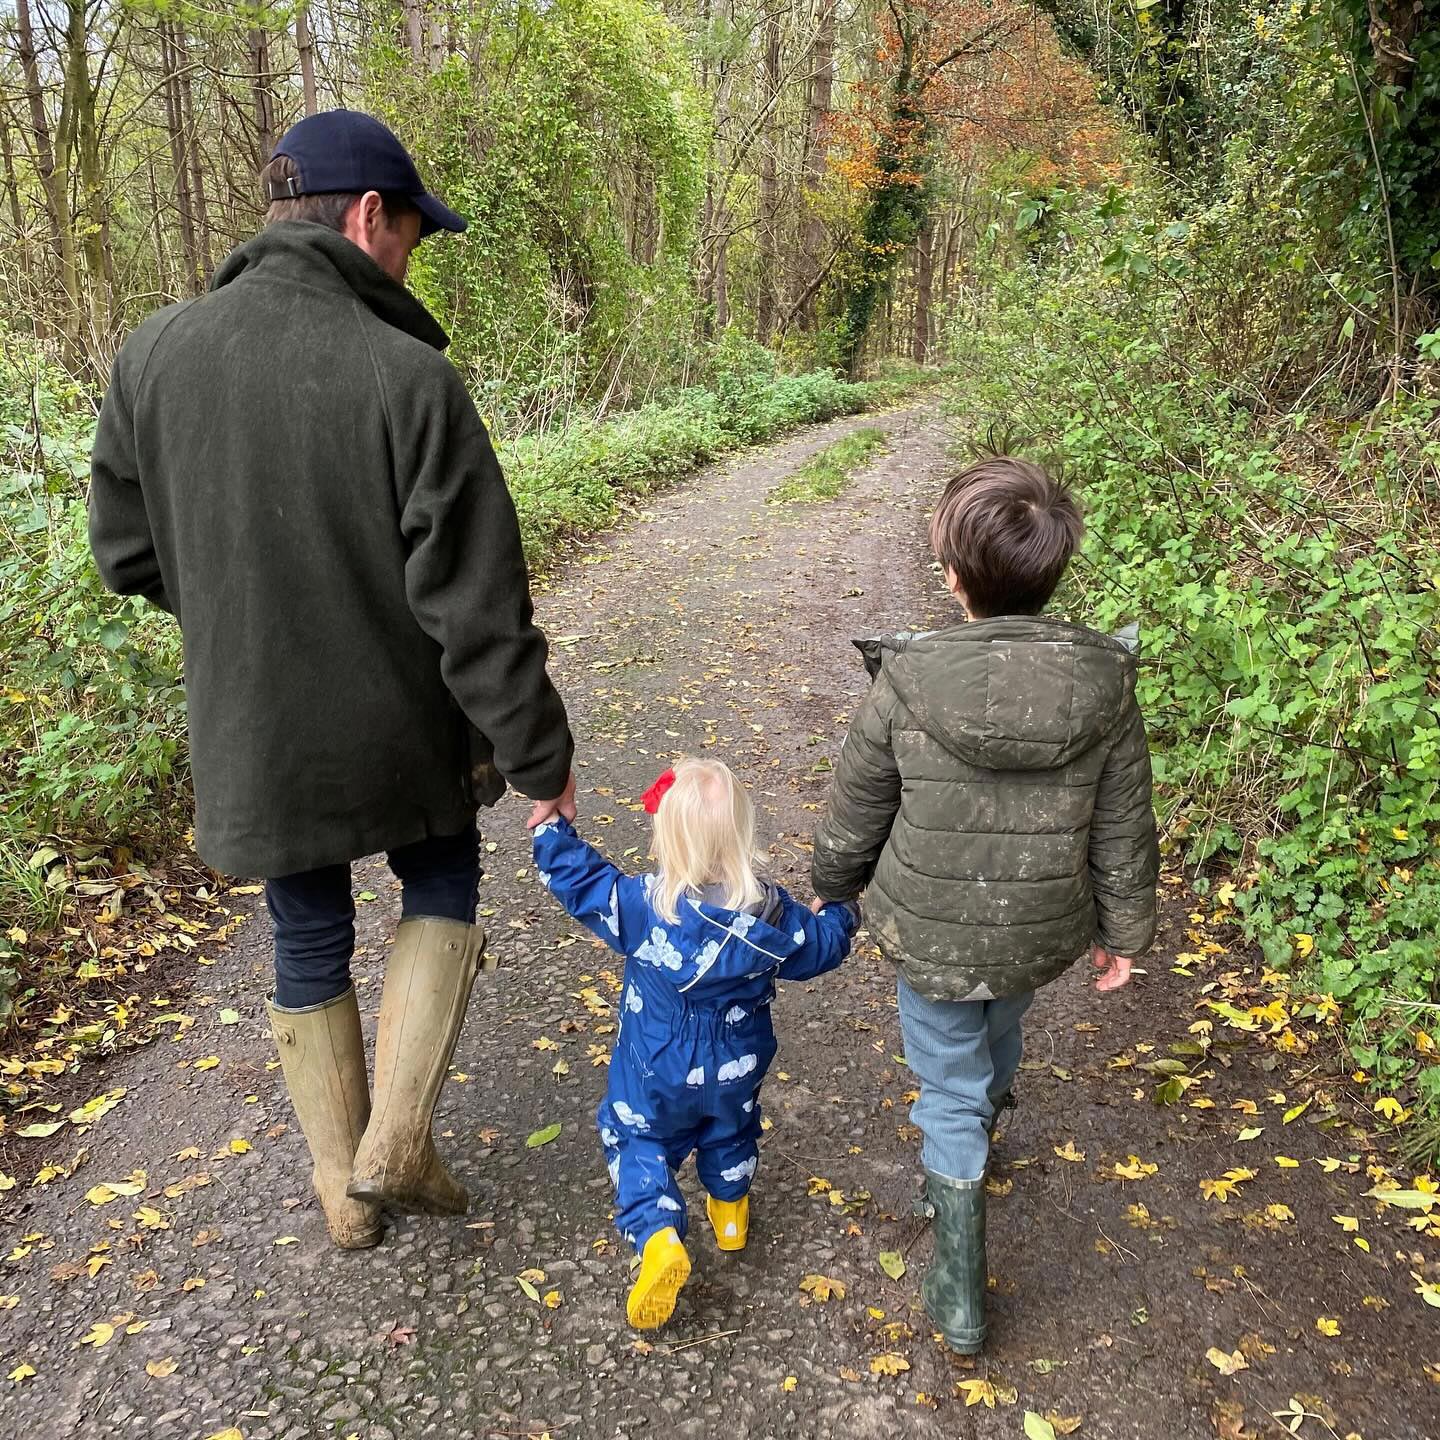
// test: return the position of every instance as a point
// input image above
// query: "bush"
(1281, 565)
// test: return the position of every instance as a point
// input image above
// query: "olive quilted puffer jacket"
(994, 795)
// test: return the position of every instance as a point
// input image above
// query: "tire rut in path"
(709, 623)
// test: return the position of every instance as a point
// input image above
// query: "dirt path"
(714, 621)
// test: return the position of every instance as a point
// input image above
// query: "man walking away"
(290, 466)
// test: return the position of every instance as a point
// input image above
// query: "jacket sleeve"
(468, 587)
(1124, 847)
(827, 939)
(864, 800)
(120, 535)
(591, 889)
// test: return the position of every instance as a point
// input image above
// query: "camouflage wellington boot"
(955, 1284)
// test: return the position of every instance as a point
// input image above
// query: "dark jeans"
(314, 912)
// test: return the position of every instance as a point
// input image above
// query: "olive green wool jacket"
(994, 795)
(292, 468)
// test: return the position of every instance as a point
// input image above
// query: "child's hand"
(563, 805)
(1114, 969)
(816, 905)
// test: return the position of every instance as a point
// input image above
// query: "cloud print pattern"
(695, 1034)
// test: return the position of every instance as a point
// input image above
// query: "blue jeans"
(965, 1054)
(314, 912)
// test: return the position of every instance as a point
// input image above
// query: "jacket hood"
(308, 254)
(712, 949)
(1011, 693)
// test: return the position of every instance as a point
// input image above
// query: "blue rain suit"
(695, 1035)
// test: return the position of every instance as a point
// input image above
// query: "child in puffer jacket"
(704, 941)
(993, 801)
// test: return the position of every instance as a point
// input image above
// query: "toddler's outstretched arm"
(828, 933)
(590, 888)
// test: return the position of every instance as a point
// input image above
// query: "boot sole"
(404, 1202)
(652, 1309)
(965, 1347)
(368, 1240)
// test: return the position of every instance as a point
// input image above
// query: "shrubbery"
(1281, 560)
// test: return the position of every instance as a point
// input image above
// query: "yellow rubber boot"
(730, 1220)
(664, 1268)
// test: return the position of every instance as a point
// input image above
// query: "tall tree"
(768, 279)
(305, 45)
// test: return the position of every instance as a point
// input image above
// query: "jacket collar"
(309, 254)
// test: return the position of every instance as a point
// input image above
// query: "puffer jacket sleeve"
(1124, 847)
(864, 800)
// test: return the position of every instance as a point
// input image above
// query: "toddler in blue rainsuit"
(704, 941)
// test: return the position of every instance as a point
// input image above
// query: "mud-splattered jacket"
(994, 800)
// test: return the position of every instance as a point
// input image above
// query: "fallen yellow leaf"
(976, 1392)
(21, 1372)
(101, 1333)
(240, 1146)
(1327, 1326)
(822, 1287)
(788, 1383)
(208, 1063)
(1134, 1168)
(888, 1364)
(1227, 1364)
(1065, 1152)
(159, 1369)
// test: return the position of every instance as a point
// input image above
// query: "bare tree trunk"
(175, 125)
(924, 284)
(822, 82)
(83, 127)
(306, 46)
(192, 154)
(17, 213)
(769, 249)
(259, 42)
(415, 29)
(54, 180)
(163, 268)
(722, 279)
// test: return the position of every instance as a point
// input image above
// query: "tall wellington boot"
(955, 1284)
(427, 987)
(322, 1056)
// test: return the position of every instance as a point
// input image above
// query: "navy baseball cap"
(347, 152)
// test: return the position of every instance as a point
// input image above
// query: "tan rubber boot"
(322, 1056)
(427, 986)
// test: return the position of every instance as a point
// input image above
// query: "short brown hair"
(328, 209)
(1007, 531)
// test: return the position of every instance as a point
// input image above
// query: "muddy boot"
(322, 1056)
(427, 986)
(955, 1284)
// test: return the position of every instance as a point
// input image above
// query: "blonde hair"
(704, 836)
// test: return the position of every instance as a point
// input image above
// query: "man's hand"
(1114, 969)
(563, 804)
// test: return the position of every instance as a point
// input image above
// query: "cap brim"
(435, 216)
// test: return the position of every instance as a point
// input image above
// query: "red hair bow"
(652, 797)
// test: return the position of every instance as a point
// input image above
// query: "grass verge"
(826, 473)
